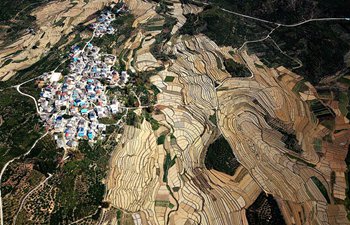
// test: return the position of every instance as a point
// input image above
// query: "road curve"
(4, 168)
(27, 195)
(279, 24)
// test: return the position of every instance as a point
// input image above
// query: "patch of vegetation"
(318, 145)
(161, 139)
(60, 23)
(300, 87)
(107, 120)
(321, 187)
(265, 211)
(323, 113)
(169, 79)
(236, 69)
(45, 155)
(163, 6)
(224, 28)
(220, 157)
(168, 163)
(291, 142)
(161, 38)
(16, 15)
(80, 184)
(123, 26)
(213, 119)
(132, 119)
(55, 58)
(300, 160)
(347, 177)
(285, 11)
(20, 127)
(344, 103)
(154, 123)
(270, 55)
(193, 25)
(321, 47)
(7, 61)
(289, 138)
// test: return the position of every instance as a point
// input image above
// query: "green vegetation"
(213, 119)
(161, 203)
(347, 177)
(60, 23)
(7, 61)
(344, 80)
(270, 55)
(318, 145)
(323, 113)
(168, 163)
(154, 123)
(77, 182)
(20, 125)
(343, 103)
(119, 216)
(155, 90)
(320, 46)
(169, 79)
(300, 87)
(123, 26)
(220, 157)
(321, 187)
(161, 139)
(224, 28)
(80, 187)
(16, 15)
(193, 25)
(132, 119)
(315, 44)
(300, 160)
(236, 69)
(176, 189)
(163, 6)
(45, 155)
(107, 120)
(161, 38)
(265, 211)
(285, 11)
(291, 142)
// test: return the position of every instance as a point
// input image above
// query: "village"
(71, 105)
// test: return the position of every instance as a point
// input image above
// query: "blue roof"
(90, 135)
(84, 111)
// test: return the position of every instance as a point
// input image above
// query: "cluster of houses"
(72, 105)
(103, 24)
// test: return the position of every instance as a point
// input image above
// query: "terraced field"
(279, 142)
(266, 120)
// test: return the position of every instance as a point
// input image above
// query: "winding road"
(7, 164)
(27, 195)
(275, 23)
(278, 25)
